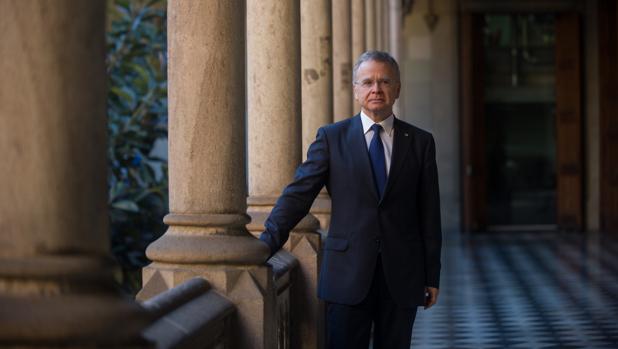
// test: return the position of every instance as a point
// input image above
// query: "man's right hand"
(270, 252)
(431, 296)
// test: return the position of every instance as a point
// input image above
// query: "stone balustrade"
(193, 315)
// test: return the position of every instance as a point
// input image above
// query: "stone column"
(379, 8)
(395, 27)
(56, 276)
(273, 100)
(274, 135)
(207, 182)
(317, 82)
(342, 60)
(370, 25)
(395, 24)
(358, 36)
(358, 28)
(385, 27)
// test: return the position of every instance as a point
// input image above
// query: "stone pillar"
(56, 276)
(370, 25)
(395, 28)
(358, 36)
(207, 182)
(274, 135)
(385, 24)
(358, 28)
(317, 83)
(342, 60)
(273, 100)
(379, 8)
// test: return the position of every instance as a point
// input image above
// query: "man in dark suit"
(381, 258)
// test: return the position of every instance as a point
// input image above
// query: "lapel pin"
(406, 134)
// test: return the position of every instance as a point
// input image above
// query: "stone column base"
(66, 301)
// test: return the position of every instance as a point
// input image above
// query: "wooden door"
(569, 147)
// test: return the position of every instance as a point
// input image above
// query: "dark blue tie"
(378, 161)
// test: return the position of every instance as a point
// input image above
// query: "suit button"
(378, 241)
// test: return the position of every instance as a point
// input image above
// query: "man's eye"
(367, 83)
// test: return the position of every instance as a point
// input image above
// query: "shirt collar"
(387, 124)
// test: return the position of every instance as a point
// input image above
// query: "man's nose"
(376, 88)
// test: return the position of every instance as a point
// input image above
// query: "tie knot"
(376, 128)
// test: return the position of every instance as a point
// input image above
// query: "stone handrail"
(190, 315)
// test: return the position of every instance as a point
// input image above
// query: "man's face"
(376, 89)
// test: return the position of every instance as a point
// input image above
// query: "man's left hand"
(431, 296)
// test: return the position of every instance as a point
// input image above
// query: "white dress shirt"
(386, 136)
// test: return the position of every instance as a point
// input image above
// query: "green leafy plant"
(137, 126)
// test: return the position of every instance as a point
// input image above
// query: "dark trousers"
(349, 326)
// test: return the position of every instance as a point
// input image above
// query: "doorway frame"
(607, 15)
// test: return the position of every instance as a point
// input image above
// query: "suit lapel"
(360, 155)
(401, 145)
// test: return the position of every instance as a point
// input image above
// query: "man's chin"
(377, 105)
(381, 110)
(378, 112)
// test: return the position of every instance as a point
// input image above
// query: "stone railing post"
(207, 236)
(317, 83)
(274, 134)
(56, 276)
(342, 60)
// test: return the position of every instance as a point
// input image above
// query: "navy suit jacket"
(403, 225)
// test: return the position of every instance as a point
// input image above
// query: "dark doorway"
(521, 121)
(519, 102)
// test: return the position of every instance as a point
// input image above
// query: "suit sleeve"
(297, 198)
(429, 205)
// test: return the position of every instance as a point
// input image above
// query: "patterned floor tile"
(524, 290)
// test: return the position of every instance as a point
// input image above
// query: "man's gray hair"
(376, 56)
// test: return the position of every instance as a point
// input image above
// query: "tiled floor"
(524, 290)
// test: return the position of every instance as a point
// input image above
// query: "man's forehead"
(375, 66)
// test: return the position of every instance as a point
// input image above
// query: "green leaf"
(122, 8)
(126, 205)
